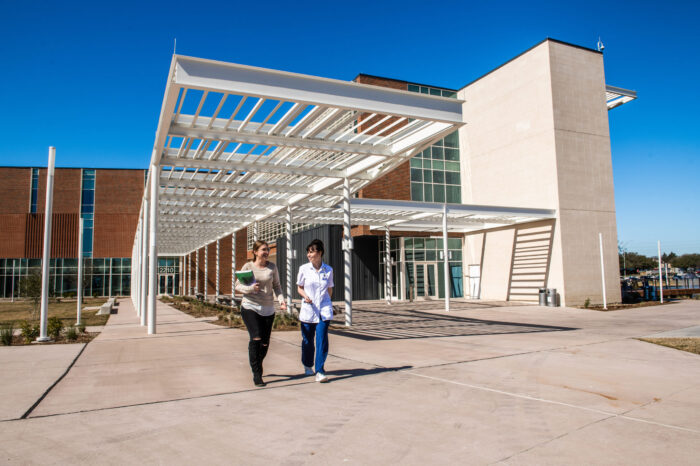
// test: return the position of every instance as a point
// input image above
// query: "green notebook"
(246, 277)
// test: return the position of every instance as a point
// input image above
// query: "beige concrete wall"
(537, 136)
(584, 170)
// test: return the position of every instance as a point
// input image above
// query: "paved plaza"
(486, 383)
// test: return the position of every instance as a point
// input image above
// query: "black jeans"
(259, 327)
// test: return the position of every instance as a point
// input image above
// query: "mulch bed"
(87, 337)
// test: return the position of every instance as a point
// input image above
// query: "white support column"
(255, 231)
(289, 259)
(402, 270)
(13, 281)
(187, 274)
(144, 263)
(387, 264)
(136, 270)
(602, 272)
(196, 273)
(206, 271)
(661, 278)
(80, 272)
(217, 267)
(43, 335)
(153, 252)
(110, 277)
(446, 259)
(347, 253)
(233, 266)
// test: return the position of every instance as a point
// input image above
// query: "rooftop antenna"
(175, 46)
(600, 45)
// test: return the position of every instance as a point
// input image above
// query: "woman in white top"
(315, 286)
(258, 306)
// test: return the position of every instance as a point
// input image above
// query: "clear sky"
(89, 77)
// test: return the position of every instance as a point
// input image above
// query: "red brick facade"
(117, 202)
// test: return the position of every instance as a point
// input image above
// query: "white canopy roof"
(616, 96)
(236, 144)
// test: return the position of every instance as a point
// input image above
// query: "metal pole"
(217, 267)
(187, 274)
(289, 259)
(43, 335)
(110, 277)
(624, 264)
(255, 231)
(80, 271)
(233, 267)
(144, 263)
(347, 253)
(12, 292)
(387, 264)
(206, 271)
(661, 280)
(446, 259)
(196, 273)
(602, 271)
(153, 253)
(136, 270)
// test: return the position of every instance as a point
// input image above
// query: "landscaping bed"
(19, 321)
(691, 345)
(226, 316)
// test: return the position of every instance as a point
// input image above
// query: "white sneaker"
(321, 377)
(308, 370)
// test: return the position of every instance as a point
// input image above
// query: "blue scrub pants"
(320, 330)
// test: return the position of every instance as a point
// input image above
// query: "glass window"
(408, 243)
(454, 243)
(438, 153)
(438, 177)
(413, 88)
(416, 162)
(451, 178)
(428, 192)
(451, 154)
(416, 191)
(416, 175)
(454, 194)
(428, 176)
(439, 193)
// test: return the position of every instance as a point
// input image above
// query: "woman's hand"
(256, 288)
(283, 305)
(307, 300)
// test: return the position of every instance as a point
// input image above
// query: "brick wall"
(16, 184)
(118, 196)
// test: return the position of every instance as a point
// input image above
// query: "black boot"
(263, 352)
(256, 362)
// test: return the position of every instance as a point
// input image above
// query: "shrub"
(71, 333)
(6, 333)
(54, 328)
(80, 327)
(285, 320)
(30, 330)
(587, 303)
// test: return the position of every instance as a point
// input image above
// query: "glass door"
(425, 280)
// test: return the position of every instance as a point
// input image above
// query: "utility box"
(552, 297)
(543, 296)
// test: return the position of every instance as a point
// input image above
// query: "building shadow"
(404, 324)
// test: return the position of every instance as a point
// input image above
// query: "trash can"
(543, 296)
(552, 297)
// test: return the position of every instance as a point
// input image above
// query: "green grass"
(65, 310)
(691, 345)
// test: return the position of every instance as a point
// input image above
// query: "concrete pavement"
(488, 383)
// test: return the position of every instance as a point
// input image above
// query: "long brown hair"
(257, 245)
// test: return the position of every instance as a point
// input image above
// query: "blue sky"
(89, 78)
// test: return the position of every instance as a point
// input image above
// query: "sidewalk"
(517, 385)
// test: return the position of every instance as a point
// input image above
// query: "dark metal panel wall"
(365, 261)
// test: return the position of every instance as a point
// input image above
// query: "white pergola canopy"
(237, 144)
(616, 96)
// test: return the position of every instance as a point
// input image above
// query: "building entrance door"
(425, 279)
(167, 284)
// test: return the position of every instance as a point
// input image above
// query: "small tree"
(30, 287)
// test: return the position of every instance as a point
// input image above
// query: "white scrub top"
(316, 284)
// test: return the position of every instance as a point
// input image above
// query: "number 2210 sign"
(164, 269)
